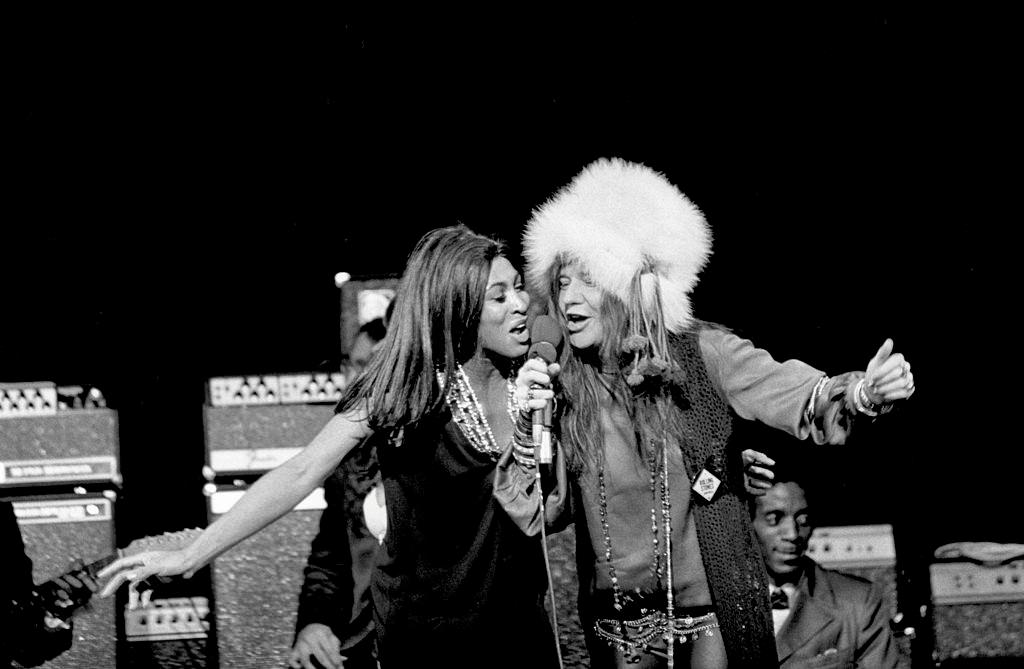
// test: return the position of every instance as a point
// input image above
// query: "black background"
(181, 191)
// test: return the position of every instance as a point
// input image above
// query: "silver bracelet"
(861, 400)
(811, 410)
(864, 404)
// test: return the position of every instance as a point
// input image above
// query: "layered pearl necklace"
(470, 416)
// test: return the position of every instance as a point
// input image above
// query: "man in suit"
(823, 618)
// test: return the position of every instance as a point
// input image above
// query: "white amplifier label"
(222, 501)
(248, 460)
(38, 512)
(59, 470)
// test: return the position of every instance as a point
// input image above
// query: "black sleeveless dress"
(457, 583)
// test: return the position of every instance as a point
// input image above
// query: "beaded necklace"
(470, 416)
(657, 569)
(653, 624)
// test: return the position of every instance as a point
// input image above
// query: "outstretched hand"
(136, 570)
(888, 377)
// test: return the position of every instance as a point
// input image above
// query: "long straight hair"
(434, 326)
(589, 377)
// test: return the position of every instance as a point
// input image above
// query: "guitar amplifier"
(978, 611)
(255, 423)
(256, 584)
(49, 435)
(58, 529)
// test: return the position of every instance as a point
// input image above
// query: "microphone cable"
(546, 337)
(547, 567)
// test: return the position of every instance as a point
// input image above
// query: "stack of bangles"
(864, 404)
(522, 440)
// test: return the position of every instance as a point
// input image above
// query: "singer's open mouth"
(576, 321)
(520, 333)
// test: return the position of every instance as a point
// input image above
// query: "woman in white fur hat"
(648, 394)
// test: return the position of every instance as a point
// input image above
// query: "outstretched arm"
(273, 495)
(797, 398)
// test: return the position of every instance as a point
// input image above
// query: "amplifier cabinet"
(256, 584)
(58, 529)
(255, 439)
(978, 611)
(992, 630)
(69, 446)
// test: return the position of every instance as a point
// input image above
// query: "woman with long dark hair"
(456, 580)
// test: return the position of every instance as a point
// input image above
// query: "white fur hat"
(622, 221)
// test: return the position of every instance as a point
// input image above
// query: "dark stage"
(180, 195)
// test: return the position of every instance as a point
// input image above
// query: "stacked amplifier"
(978, 610)
(253, 424)
(59, 457)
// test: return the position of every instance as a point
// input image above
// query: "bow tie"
(780, 600)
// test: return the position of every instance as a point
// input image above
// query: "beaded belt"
(634, 637)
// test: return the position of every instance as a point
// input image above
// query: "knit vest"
(732, 557)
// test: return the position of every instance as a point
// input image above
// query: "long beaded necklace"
(470, 416)
(666, 626)
(666, 518)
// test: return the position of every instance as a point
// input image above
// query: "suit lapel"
(807, 618)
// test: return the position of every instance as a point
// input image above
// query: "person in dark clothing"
(456, 581)
(29, 634)
(335, 616)
(334, 625)
(821, 617)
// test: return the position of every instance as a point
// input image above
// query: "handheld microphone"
(545, 338)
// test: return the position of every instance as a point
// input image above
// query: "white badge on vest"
(706, 484)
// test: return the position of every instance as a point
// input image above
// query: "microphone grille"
(545, 338)
(546, 328)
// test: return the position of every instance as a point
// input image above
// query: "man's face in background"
(783, 526)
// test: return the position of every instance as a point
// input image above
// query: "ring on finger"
(529, 394)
